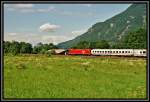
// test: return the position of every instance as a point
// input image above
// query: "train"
(108, 52)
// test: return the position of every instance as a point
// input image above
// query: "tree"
(92, 45)
(28, 48)
(15, 47)
(117, 45)
(35, 50)
(7, 46)
(42, 48)
(103, 44)
(135, 40)
(82, 45)
(25, 47)
(52, 46)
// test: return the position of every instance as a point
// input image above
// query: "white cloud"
(87, 5)
(19, 6)
(70, 13)
(55, 38)
(23, 8)
(12, 34)
(47, 27)
(36, 38)
(11, 9)
(51, 8)
(42, 10)
(28, 8)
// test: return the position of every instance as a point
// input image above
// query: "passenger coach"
(119, 52)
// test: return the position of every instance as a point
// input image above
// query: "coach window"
(110, 51)
(125, 51)
(122, 51)
(105, 51)
(102, 51)
(119, 51)
(116, 51)
(140, 51)
(144, 51)
(113, 51)
(128, 51)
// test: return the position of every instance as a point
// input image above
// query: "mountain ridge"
(114, 28)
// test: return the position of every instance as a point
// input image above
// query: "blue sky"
(54, 23)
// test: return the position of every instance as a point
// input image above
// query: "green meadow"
(39, 76)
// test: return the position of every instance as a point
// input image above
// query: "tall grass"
(73, 77)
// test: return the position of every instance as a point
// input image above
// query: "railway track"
(108, 56)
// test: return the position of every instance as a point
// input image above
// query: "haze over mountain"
(113, 29)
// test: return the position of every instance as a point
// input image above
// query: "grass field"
(38, 76)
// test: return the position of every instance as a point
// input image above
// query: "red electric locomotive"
(79, 51)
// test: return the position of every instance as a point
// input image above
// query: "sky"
(54, 23)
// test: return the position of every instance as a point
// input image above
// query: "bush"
(48, 53)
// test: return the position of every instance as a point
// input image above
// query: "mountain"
(113, 29)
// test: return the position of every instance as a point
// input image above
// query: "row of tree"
(15, 47)
(133, 40)
(43, 48)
